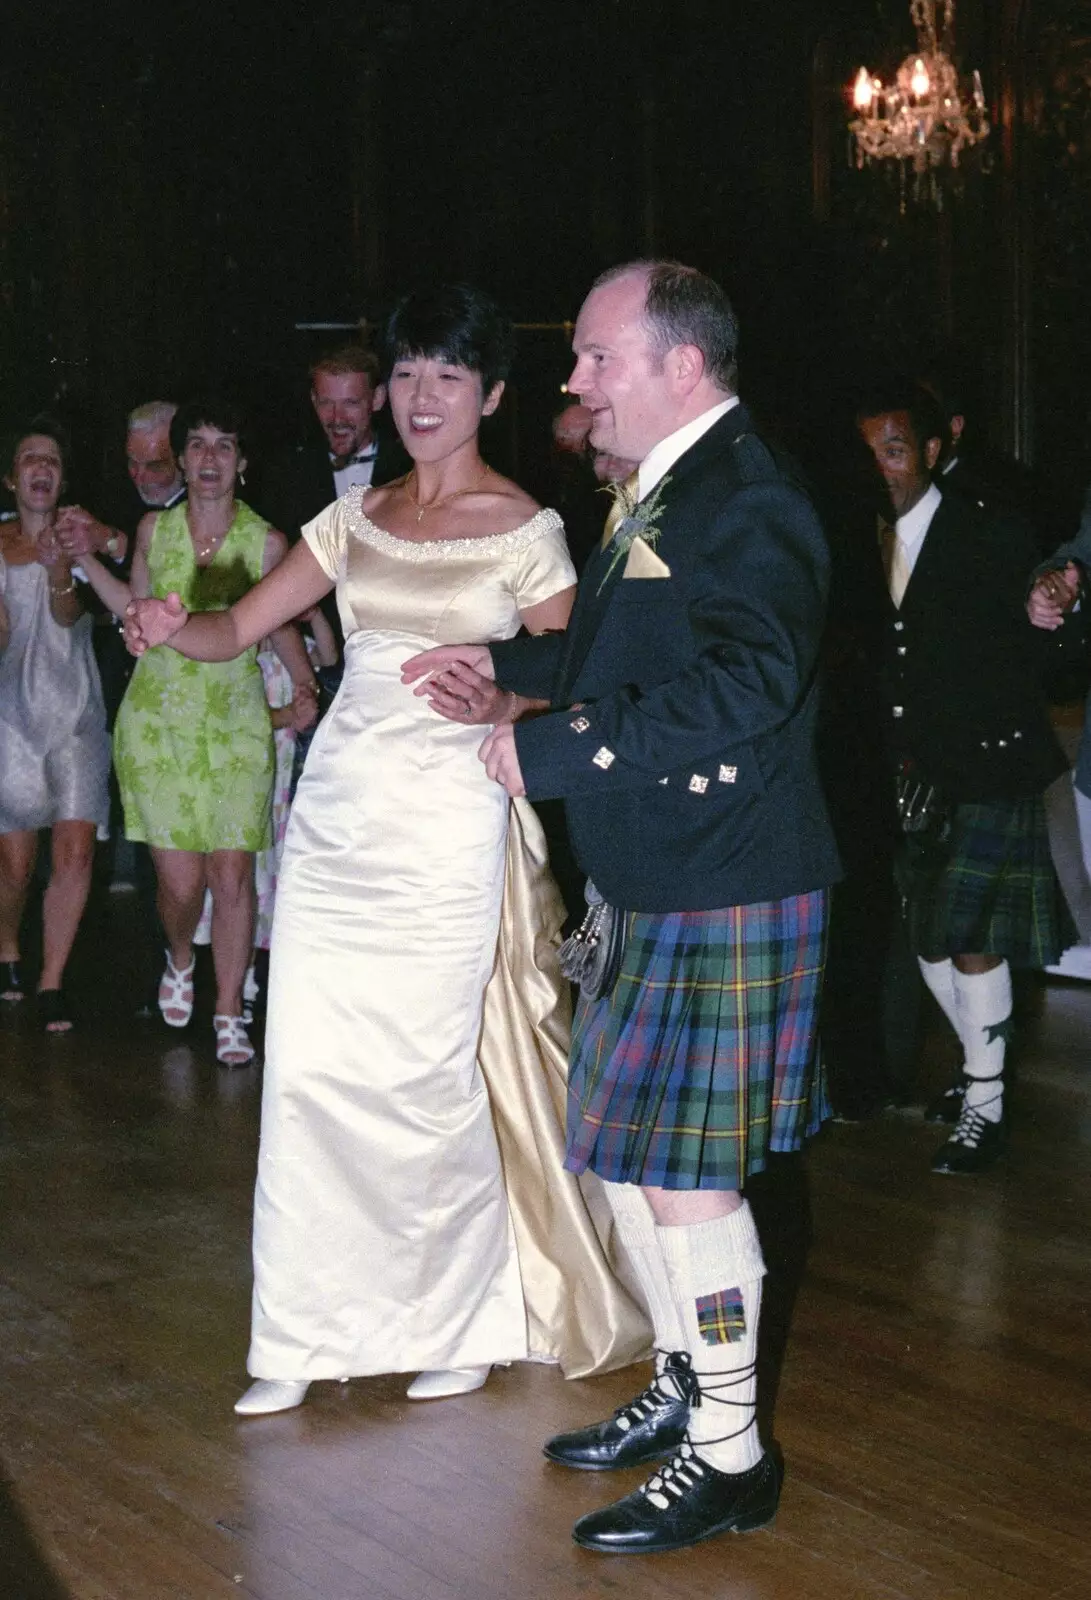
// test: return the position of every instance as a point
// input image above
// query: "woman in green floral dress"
(193, 745)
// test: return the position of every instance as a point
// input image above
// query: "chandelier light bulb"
(862, 91)
(920, 83)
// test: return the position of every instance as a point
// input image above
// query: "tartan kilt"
(704, 1057)
(988, 889)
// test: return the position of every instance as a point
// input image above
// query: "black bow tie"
(364, 455)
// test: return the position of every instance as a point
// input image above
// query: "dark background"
(179, 188)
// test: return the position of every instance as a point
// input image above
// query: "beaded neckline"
(490, 545)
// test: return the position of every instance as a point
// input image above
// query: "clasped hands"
(458, 681)
(151, 622)
(1054, 594)
(81, 534)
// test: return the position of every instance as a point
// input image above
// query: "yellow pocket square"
(643, 562)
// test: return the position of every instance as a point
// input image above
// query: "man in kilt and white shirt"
(680, 735)
(961, 674)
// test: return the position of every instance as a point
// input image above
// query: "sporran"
(591, 956)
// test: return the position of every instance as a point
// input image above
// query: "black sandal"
(11, 983)
(54, 1012)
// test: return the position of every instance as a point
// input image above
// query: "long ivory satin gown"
(418, 1029)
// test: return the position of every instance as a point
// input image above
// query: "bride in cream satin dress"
(417, 1033)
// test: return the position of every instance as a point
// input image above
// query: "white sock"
(636, 1226)
(940, 978)
(984, 1024)
(715, 1270)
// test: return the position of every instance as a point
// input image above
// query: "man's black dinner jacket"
(962, 666)
(684, 742)
(296, 486)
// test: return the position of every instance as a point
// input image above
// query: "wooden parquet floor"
(933, 1403)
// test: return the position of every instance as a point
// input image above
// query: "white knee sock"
(715, 1271)
(984, 1025)
(940, 978)
(636, 1225)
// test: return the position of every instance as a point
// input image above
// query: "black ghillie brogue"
(686, 1501)
(646, 1429)
(974, 1146)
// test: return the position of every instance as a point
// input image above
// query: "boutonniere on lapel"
(638, 526)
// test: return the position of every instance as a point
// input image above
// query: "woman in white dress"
(402, 1086)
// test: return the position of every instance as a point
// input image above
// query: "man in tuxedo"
(154, 473)
(346, 394)
(969, 741)
(680, 735)
(152, 466)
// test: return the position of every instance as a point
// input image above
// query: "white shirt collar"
(357, 472)
(912, 528)
(662, 456)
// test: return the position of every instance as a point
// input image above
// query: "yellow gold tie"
(625, 503)
(895, 562)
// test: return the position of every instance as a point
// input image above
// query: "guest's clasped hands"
(1053, 595)
(81, 534)
(458, 683)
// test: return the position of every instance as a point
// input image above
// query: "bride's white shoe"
(437, 1385)
(271, 1394)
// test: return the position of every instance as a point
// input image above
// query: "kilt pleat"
(703, 1059)
(989, 889)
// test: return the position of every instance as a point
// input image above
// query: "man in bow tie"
(346, 396)
(680, 735)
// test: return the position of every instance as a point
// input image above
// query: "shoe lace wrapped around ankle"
(686, 1386)
(719, 1394)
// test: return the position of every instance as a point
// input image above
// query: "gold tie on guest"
(895, 562)
(626, 499)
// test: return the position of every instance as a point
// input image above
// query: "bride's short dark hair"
(452, 322)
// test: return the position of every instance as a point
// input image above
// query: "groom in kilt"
(680, 734)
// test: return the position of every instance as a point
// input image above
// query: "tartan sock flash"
(984, 1023)
(715, 1270)
(636, 1228)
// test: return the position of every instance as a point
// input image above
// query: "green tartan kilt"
(987, 888)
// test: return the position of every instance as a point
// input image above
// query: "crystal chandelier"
(922, 119)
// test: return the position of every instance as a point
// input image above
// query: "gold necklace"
(204, 551)
(443, 499)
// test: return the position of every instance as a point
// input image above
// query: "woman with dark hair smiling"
(385, 1237)
(193, 745)
(54, 749)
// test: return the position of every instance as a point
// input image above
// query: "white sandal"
(176, 993)
(232, 1041)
